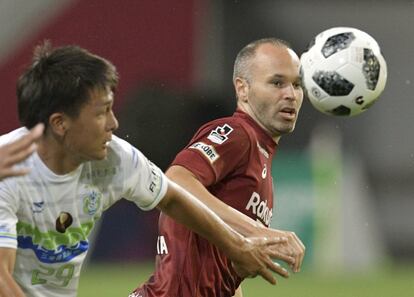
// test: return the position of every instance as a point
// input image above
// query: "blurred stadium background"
(345, 185)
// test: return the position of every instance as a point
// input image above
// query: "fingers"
(25, 143)
(300, 251)
(19, 155)
(285, 248)
(275, 240)
(280, 250)
(268, 276)
(17, 151)
(284, 257)
(276, 267)
(13, 172)
(291, 250)
(37, 131)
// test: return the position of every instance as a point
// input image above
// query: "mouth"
(288, 113)
(106, 143)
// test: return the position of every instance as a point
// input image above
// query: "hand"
(256, 257)
(15, 152)
(293, 248)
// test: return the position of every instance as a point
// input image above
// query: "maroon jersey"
(232, 158)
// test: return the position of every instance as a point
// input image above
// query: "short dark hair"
(60, 80)
(243, 58)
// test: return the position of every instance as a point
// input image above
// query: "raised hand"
(15, 152)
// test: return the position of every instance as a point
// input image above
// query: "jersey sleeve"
(144, 183)
(216, 150)
(8, 217)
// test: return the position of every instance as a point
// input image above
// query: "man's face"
(89, 133)
(275, 93)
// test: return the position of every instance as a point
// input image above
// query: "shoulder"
(125, 154)
(228, 129)
(120, 144)
(121, 148)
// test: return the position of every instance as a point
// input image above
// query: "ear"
(59, 123)
(242, 89)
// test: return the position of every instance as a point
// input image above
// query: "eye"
(277, 83)
(297, 84)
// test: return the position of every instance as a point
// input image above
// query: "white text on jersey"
(162, 248)
(260, 208)
(207, 150)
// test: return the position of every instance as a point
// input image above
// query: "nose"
(112, 122)
(290, 92)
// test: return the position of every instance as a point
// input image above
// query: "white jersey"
(48, 217)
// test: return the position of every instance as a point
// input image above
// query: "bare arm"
(250, 257)
(17, 151)
(237, 220)
(8, 287)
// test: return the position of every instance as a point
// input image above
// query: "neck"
(55, 156)
(247, 109)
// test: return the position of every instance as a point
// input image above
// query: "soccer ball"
(343, 71)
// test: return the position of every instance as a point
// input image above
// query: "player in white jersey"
(55, 213)
(79, 170)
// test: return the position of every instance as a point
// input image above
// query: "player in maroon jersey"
(227, 165)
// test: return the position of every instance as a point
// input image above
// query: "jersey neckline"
(49, 174)
(264, 134)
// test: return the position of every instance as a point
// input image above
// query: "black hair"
(60, 80)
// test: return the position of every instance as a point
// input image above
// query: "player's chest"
(61, 206)
(250, 190)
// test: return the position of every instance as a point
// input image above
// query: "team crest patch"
(92, 202)
(220, 134)
(207, 150)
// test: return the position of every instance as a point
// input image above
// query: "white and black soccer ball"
(343, 71)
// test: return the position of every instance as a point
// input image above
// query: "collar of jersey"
(268, 140)
(50, 175)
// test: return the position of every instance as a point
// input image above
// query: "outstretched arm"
(294, 248)
(250, 256)
(8, 286)
(15, 152)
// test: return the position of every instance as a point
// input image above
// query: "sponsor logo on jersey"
(262, 151)
(162, 248)
(220, 134)
(92, 202)
(259, 208)
(100, 173)
(264, 171)
(52, 246)
(207, 150)
(38, 206)
(60, 255)
(155, 183)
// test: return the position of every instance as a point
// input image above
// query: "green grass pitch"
(118, 280)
